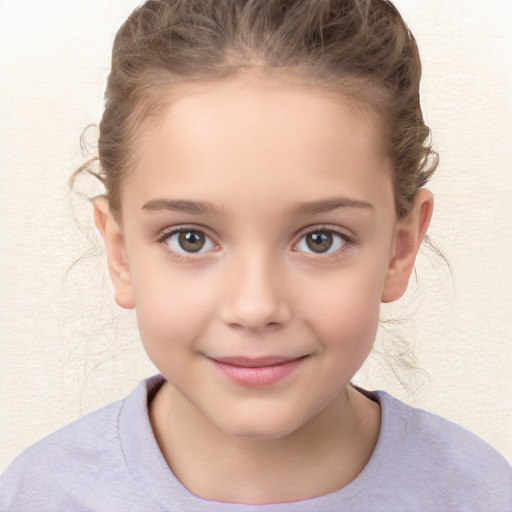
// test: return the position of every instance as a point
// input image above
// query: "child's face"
(258, 227)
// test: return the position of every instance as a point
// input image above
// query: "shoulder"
(62, 470)
(444, 458)
(444, 439)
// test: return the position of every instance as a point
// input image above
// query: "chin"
(263, 426)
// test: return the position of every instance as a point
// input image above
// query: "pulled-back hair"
(360, 48)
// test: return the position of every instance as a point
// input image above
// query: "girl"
(264, 165)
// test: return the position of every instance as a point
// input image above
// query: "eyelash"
(183, 256)
(347, 242)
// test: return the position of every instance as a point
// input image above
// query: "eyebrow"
(204, 208)
(327, 205)
(181, 205)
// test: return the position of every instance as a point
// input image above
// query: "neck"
(321, 456)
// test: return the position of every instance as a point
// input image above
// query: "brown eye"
(189, 241)
(321, 242)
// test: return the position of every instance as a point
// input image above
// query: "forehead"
(259, 136)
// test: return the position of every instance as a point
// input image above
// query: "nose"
(254, 295)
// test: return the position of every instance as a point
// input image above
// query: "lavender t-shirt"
(110, 461)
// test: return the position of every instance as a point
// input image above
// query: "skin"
(275, 161)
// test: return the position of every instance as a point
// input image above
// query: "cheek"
(347, 333)
(172, 308)
(345, 311)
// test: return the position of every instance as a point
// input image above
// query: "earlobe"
(113, 238)
(408, 237)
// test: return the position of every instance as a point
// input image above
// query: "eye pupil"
(191, 241)
(320, 241)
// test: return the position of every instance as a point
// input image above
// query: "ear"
(115, 248)
(408, 237)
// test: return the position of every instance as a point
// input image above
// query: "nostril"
(261, 327)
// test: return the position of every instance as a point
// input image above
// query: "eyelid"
(337, 230)
(169, 230)
(166, 233)
(344, 233)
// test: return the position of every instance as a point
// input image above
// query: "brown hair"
(362, 48)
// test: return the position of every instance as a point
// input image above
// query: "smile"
(257, 373)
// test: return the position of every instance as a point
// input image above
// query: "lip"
(257, 372)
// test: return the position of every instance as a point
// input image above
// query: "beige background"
(66, 349)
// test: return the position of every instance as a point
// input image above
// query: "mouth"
(257, 372)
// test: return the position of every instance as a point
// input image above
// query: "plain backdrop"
(66, 348)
